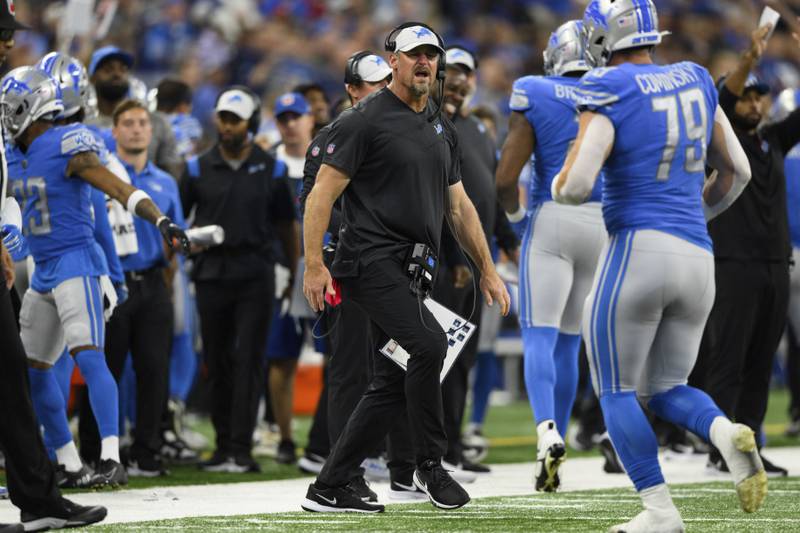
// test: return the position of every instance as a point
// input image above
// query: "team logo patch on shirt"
(331, 147)
(315, 151)
(438, 128)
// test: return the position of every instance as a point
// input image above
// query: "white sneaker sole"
(308, 466)
(407, 495)
(316, 507)
(43, 524)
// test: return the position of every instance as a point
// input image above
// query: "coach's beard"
(112, 91)
(420, 89)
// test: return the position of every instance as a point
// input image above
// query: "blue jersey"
(663, 117)
(549, 105)
(792, 169)
(164, 191)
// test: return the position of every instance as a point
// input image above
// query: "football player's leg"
(43, 339)
(80, 307)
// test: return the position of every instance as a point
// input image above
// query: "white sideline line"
(263, 497)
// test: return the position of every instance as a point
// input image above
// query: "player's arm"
(574, 182)
(732, 169)
(469, 233)
(516, 151)
(738, 77)
(87, 166)
(329, 185)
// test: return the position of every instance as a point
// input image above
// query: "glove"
(122, 292)
(521, 227)
(173, 234)
(14, 242)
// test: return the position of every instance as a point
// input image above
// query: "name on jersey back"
(673, 78)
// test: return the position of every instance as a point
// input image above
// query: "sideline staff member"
(234, 185)
(396, 161)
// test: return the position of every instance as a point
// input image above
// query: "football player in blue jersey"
(652, 129)
(69, 288)
(561, 243)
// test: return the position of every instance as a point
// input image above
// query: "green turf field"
(710, 507)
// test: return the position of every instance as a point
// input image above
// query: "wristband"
(516, 216)
(133, 200)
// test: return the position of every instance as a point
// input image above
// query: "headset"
(255, 119)
(351, 75)
(390, 45)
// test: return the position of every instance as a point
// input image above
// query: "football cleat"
(551, 453)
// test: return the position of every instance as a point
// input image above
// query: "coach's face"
(456, 88)
(749, 110)
(6, 45)
(416, 69)
(232, 130)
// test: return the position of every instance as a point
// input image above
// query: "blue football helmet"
(71, 77)
(613, 25)
(28, 94)
(566, 50)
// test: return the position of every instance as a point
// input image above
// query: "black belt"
(140, 275)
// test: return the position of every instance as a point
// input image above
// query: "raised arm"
(574, 182)
(732, 169)
(329, 185)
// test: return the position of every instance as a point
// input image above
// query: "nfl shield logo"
(10, 6)
(315, 151)
(331, 148)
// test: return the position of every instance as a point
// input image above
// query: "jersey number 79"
(695, 125)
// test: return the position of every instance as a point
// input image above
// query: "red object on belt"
(336, 298)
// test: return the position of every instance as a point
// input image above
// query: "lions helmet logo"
(11, 8)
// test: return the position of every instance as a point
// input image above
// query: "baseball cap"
(109, 52)
(752, 82)
(461, 57)
(237, 102)
(291, 103)
(409, 38)
(373, 68)
(8, 17)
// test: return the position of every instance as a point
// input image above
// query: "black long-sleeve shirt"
(756, 227)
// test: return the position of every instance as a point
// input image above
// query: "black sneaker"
(175, 450)
(478, 468)
(442, 490)
(612, 464)
(772, 469)
(216, 463)
(112, 473)
(360, 487)
(246, 463)
(82, 479)
(146, 465)
(405, 492)
(337, 500)
(311, 463)
(287, 454)
(70, 515)
(12, 528)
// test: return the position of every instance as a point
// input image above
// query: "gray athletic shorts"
(557, 263)
(645, 315)
(794, 293)
(70, 314)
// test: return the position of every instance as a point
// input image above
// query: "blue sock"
(102, 388)
(565, 358)
(50, 408)
(633, 438)
(63, 372)
(540, 370)
(688, 408)
(183, 366)
(482, 386)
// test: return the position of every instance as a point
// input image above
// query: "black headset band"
(351, 75)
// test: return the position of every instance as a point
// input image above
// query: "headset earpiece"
(351, 75)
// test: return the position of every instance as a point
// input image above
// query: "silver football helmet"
(28, 94)
(566, 51)
(613, 25)
(71, 77)
(785, 103)
(137, 89)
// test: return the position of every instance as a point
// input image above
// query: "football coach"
(394, 159)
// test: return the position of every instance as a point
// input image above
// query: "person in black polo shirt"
(243, 189)
(395, 160)
(751, 252)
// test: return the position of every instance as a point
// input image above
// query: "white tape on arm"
(516, 216)
(133, 200)
(11, 213)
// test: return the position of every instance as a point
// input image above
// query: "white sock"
(109, 448)
(544, 427)
(68, 456)
(657, 499)
(719, 434)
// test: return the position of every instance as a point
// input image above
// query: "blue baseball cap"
(109, 52)
(291, 103)
(752, 82)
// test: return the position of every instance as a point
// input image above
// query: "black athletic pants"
(141, 326)
(743, 332)
(455, 386)
(29, 474)
(793, 371)
(381, 291)
(234, 322)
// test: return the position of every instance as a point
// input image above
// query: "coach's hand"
(493, 289)
(316, 282)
